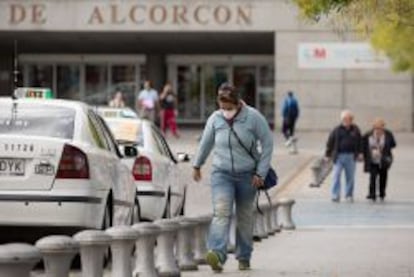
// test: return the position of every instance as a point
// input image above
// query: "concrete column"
(261, 221)
(316, 172)
(275, 212)
(268, 214)
(156, 70)
(185, 252)
(144, 260)
(18, 259)
(286, 206)
(93, 245)
(256, 227)
(122, 242)
(200, 239)
(58, 253)
(166, 261)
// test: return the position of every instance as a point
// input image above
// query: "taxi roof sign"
(39, 93)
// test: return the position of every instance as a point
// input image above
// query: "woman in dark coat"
(377, 146)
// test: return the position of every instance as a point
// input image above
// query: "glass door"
(265, 89)
(123, 79)
(68, 81)
(214, 76)
(244, 78)
(96, 82)
(189, 92)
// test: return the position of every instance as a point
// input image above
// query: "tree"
(389, 24)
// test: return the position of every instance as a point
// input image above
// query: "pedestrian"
(233, 130)
(344, 147)
(148, 102)
(290, 113)
(377, 147)
(117, 101)
(168, 115)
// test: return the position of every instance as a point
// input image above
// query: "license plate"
(44, 169)
(12, 167)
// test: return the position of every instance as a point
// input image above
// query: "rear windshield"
(125, 131)
(37, 120)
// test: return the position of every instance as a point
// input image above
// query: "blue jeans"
(347, 162)
(227, 189)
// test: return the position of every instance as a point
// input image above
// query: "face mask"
(229, 114)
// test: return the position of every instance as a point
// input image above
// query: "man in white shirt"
(148, 101)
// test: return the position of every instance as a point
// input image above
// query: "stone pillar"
(166, 261)
(144, 260)
(286, 206)
(261, 223)
(256, 227)
(200, 239)
(122, 243)
(93, 246)
(275, 218)
(18, 259)
(268, 214)
(185, 252)
(58, 253)
(316, 172)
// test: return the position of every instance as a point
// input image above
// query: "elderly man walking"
(344, 147)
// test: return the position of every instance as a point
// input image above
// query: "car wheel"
(182, 210)
(167, 210)
(136, 212)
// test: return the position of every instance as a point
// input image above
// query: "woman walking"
(168, 110)
(378, 144)
(231, 131)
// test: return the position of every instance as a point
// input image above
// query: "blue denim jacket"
(253, 131)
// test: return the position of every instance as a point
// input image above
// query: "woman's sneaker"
(244, 265)
(213, 260)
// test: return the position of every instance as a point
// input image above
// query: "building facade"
(88, 49)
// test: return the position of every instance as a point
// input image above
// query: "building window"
(96, 83)
(40, 76)
(188, 91)
(68, 82)
(123, 78)
(266, 91)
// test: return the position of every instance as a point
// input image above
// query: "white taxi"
(60, 167)
(156, 170)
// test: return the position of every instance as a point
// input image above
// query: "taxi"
(156, 170)
(60, 165)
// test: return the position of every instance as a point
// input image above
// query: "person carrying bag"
(235, 176)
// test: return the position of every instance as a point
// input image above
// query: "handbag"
(271, 179)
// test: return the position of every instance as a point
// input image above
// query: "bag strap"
(242, 145)
(268, 200)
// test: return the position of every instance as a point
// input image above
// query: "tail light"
(142, 169)
(73, 164)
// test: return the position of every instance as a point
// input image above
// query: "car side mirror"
(183, 157)
(130, 151)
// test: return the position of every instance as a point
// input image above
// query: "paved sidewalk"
(332, 239)
(342, 239)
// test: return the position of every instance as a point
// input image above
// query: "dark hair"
(227, 93)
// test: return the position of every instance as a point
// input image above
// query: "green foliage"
(389, 24)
